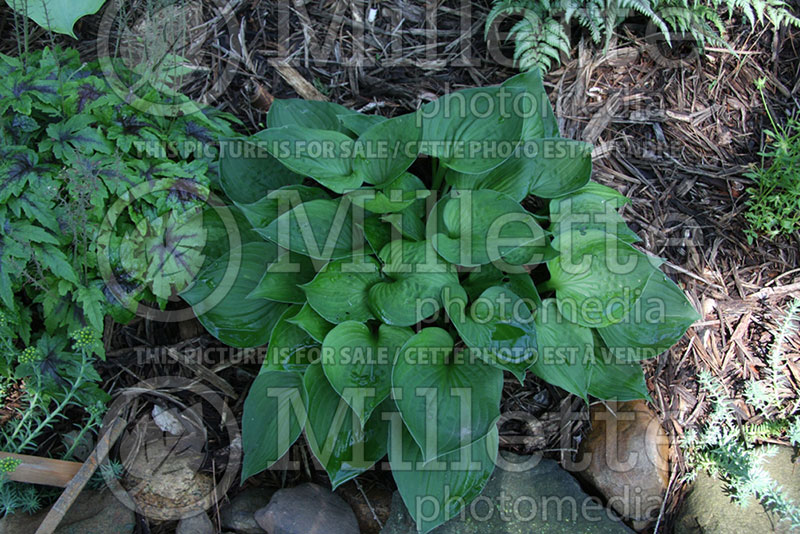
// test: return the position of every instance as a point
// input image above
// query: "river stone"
(544, 499)
(708, 509)
(626, 457)
(197, 524)
(307, 509)
(239, 514)
(91, 513)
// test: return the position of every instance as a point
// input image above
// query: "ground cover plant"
(773, 208)
(393, 271)
(540, 28)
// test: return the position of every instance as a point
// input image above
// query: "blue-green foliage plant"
(393, 269)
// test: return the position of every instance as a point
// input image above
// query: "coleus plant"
(397, 268)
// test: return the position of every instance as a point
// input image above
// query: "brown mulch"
(675, 138)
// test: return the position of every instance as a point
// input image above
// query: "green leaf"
(336, 436)
(248, 172)
(561, 166)
(218, 297)
(290, 347)
(58, 16)
(615, 380)
(407, 224)
(540, 121)
(658, 321)
(266, 209)
(323, 155)
(312, 322)
(498, 326)
(472, 228)
(55, 260)
(402, 193)
(447, 400)
(587, 211)
(274, 416)
(309, 114)
(358, 123)
(284, 277)
(91, 300)
(340, 291)
(487, 276)
(436, 491)
(416, 276)
(598, 279)
(565, 351)
(387, 149)
(472, 130)
(320, 229)
(358, 363)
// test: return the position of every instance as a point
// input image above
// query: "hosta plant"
(400, 267)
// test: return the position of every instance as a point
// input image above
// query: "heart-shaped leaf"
(472, 228)
(336, 436)
(487, 276)
(320, 229)
(358, 123)
(598, 280)
(358, 363)
(309, 114)
(560, 166)
(565, 351)
(417, 275)
(324, 155)
(340, 291)
(438, 490)
(473, 130)
(498, 326)
(312, 322)
(273, 418)
(290, 347)
(658, 321)
(283, 277)
(401, 194)
(447, 400)
(585, 211)
(266, 209)
(387, 149)
(540, 121)
(218, 297)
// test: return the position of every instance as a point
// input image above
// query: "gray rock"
(197, 524)
(307, 509)
(92, 512)
(239, 514)
(708, 509)
(542, 500)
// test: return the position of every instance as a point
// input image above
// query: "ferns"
(540, 31)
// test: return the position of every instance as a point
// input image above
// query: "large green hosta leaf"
(540, 121)
(658, 321)
(219, 297)
(416, 278)
(436, 491)
(588, 210)
(387, 149)
(358, 363)
(473, 130)
(266, 209)
(336, 437)
(320, 229)
(340, 291)
(566, 351)
(497, 326)
(273, 418)
(487, 276)
(598, 278)
(283, 278)
(312, 322)
(472, 228)
(612, 379)
(309, 114)
(447, 400)
(324, 155)
(290, 347)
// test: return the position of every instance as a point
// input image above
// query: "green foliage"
(540, 27)
(394, 298)
(773, 208)
(725, 450)
(56, 15)
(51, 382)
(101, 205)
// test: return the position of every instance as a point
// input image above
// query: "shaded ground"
(674, 136)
